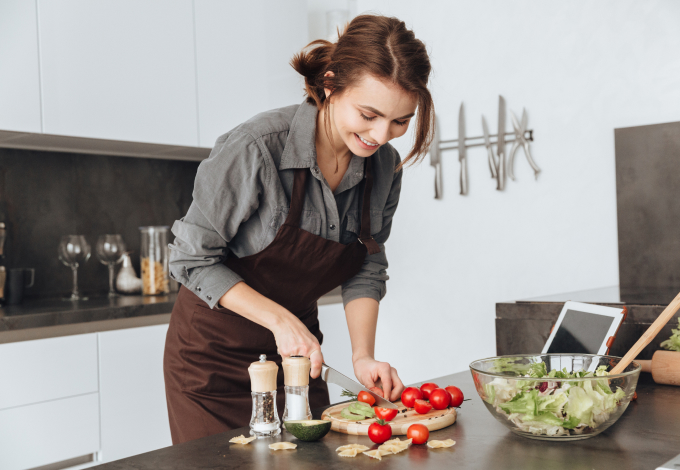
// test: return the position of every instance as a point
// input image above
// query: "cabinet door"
(19, 72)
(134, 416)
(242, 55)
(119, 69)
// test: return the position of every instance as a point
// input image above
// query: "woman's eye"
(366, 117)
(401, 123)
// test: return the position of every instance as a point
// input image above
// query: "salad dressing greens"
(552, 407)
(673, 343)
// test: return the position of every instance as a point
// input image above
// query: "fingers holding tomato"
(367, 397)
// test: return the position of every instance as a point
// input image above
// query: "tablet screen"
(580, 333)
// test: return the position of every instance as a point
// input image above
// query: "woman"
(290, 205)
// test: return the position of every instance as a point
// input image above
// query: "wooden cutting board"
(435, 419)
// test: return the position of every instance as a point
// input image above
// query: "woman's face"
(370, 114)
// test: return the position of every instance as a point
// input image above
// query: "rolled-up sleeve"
(226, 193)
(370, 282)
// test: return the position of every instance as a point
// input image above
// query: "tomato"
(377, 391)
(456, 395)
(366, 398)
(379, 431)
(387, 414)
(410, 395)
(440, 399)
(427, 388)
(422, 406)
(418, 432)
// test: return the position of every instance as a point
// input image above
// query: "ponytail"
(312, 63)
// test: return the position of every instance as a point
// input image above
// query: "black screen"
(580, 332)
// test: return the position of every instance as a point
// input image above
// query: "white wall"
(581, 69)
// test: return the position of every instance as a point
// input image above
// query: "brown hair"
(382, 47)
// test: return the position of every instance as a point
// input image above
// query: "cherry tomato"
(456, 396)
(387, 414)
(366, 398)
(410, 395)
(379, 431)
(427, 388)
(422, 406)
(377, 391)
(440, 399)
(418, 432)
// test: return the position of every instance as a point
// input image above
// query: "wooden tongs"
(648, 335)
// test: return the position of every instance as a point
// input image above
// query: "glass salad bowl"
(557, 397)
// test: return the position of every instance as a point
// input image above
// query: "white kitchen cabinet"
(47, 369)
(134, 416)
(49, 432)
(242, 55)
(19, 66)
(119, 69)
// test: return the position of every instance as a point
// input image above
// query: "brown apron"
(208, 351)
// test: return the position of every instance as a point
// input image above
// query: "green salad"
(673, 343)
(553, 407)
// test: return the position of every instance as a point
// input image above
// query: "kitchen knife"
(489, 149)
(462, 151)
(331, 375)
(501, 144)
(435, 160)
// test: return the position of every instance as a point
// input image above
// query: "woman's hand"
(372, 373)
(294, 339)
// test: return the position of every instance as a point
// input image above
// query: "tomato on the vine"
(427, 389)
(422, 406)
(387, 414)
(456, 395)
(410, 395)
(440, 399)
(379, 431)
(366, 398)
(419, 433)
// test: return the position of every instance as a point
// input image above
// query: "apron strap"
(297, 198)
(365, 237)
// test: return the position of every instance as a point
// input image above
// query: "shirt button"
(332, 227)
(198, 288)
(358, 173)
(209, 297)
(315, 170)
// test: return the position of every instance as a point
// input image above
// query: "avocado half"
(308, 430)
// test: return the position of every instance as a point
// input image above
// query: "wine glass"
(110, 249)
(74, 250)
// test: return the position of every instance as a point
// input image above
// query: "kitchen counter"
(48, 318)
(523, 326)
(646, 436)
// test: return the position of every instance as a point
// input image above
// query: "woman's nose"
(381, 133)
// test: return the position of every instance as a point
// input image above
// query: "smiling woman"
(290, 205)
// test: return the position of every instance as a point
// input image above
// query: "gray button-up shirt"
(241, 198)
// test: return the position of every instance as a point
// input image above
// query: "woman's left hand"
(372, 373)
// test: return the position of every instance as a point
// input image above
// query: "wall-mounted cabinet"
(119, 69)
(19, 68)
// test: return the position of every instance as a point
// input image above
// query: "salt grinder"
(264, 421)
(296, 380)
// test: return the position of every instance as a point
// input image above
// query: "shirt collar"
(300, 149)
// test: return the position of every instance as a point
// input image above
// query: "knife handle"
(501, 172)
(324, 372)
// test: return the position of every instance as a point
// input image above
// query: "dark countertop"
(646, 436)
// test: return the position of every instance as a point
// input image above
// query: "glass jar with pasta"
(154, 260)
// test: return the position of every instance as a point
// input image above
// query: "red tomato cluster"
(431, 396)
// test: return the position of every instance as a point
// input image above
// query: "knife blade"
(435, 160)
(489, 149)
(462, 151)
(501, 144)
(330, 375)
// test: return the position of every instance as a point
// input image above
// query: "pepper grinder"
(296, 380)
(264, 421)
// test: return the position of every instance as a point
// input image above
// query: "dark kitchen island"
(646, 436)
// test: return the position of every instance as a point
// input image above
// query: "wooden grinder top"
(263, 375)
(296, 371)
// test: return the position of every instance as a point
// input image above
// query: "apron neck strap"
(297, 198)
(365, 233)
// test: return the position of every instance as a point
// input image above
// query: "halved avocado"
(308, 430)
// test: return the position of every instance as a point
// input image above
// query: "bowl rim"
(635, 371)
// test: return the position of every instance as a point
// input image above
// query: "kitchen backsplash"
(44, 195)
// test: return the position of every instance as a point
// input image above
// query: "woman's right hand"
(294, 339)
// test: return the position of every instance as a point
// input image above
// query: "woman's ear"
(328, 91)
